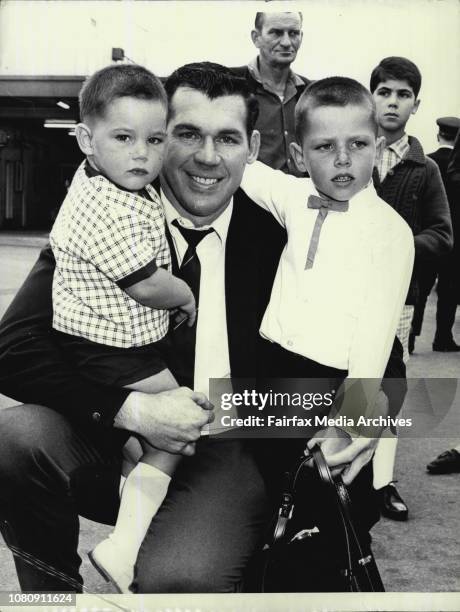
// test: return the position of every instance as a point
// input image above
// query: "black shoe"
(446, 347)
(391, 504)
(446, 463)
(411, 343)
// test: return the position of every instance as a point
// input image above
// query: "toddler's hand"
(187, 311)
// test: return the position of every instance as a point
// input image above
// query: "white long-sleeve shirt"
(343, 312)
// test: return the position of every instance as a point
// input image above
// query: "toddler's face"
(127, 143)
(339, 149)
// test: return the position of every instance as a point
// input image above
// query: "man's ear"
(379, 147)
(83, 134)
(255, 37)
(297, 154)
(254, 146)
(416, 105)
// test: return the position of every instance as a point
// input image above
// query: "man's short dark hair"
(333, 91)
(398, 69)
(260, 18)
(117, 81)
(214, 81)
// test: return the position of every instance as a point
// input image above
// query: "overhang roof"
(36, 97)
(40, 86)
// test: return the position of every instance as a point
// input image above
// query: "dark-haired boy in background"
(412, 185)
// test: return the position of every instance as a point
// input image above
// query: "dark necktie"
(190, 272)
(324, 206)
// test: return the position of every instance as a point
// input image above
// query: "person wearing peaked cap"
(445, 270)
(449, 461)
(448, 128)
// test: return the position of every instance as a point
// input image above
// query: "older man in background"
(278, 37)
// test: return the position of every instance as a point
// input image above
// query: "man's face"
(206, 153)
(395, 101)
(127, 144)
(338, 149)
(279, 39)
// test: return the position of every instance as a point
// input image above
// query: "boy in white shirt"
(344, 273)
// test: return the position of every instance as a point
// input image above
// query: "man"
(278, 37)
(449, 461)
(447, 269)
(61, 462)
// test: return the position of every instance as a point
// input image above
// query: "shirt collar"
(254, 69)
(219, 225)
(91, 172)
(401, 146)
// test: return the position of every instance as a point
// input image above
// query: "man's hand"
(344, 454)
(170, 420)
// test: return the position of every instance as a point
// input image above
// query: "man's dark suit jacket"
(34, 368)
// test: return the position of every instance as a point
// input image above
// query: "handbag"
(315, 544)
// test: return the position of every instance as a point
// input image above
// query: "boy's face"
(395, 101)
(126, 145)
(338, 150)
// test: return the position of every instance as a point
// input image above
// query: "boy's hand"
(185, 312)
(343, 454)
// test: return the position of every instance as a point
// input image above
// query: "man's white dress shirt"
(211, 353)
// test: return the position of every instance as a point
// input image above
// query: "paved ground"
(420, 555)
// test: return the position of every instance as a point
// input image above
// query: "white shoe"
(107, 559)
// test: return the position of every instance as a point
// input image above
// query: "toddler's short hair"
(399, 69)
(332, 91)
(117, 81)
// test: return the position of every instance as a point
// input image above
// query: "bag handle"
(339, 494)
(343, 501)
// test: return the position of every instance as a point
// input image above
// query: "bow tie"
(316, 202)
(323, 206)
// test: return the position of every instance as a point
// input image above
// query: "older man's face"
(279, 39)
(207, 151)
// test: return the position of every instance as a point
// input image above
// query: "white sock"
(143, 493)
(384, 461)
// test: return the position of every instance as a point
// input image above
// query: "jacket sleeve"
(435, 238)
(34, 367)
(453, 182)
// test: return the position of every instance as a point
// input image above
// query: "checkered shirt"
(101, 236)
(392, 155)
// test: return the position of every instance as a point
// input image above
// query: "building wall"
(70, 39)
(349, 37)
(34, 168)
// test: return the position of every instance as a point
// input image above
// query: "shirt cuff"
(138, 275)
